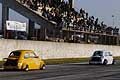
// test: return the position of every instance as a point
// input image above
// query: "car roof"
(22, 50)
(103, 51)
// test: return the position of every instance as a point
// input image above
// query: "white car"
(102, 57)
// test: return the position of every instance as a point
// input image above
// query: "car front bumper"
(95, 62)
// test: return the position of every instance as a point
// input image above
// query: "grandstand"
(60, 22)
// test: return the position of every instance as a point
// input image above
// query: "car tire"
(26, 68)
(114, 62)
(43, 67)
(90, 63)
(105, 62)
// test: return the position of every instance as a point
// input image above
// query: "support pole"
(31, 29)
(5, 16)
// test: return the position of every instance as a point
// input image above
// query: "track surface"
(66, 72)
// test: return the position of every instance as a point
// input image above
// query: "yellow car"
(23, 60)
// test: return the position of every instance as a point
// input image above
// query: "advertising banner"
(17, 26)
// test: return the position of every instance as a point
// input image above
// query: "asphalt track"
(66, 72)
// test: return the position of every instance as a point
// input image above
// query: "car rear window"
(15, 53)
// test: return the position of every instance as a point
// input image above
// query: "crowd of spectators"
(60, 12)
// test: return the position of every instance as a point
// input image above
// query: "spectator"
(59, 11)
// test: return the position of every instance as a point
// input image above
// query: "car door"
(35, 60)
(27, 60)
(108, 57)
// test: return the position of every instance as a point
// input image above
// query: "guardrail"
(53, 50)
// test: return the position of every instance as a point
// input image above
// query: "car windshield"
(15, 53)
(98, 53)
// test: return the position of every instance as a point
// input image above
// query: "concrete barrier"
(50, 50)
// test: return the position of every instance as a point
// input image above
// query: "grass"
(117, 58)
(1, 63)
(60, 61)
(65, 60)
(70, 60)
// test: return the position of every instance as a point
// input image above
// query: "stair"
(32, 15)
(28, 13)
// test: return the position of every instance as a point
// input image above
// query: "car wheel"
(90, 63)
(26, 68)
(43, 67)
(105, 62)
(114, 62)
